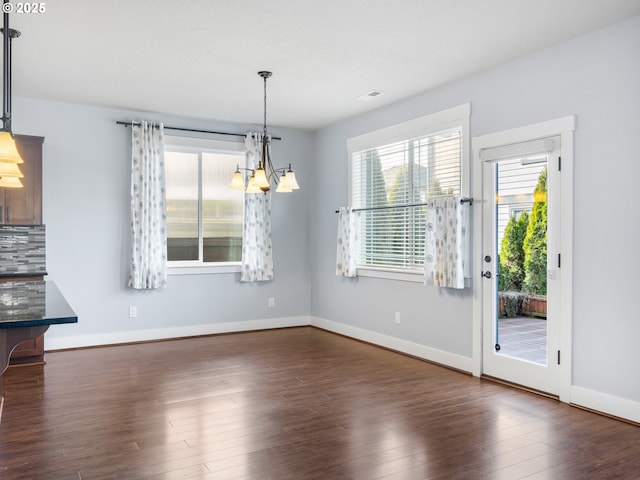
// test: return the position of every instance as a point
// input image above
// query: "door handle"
(486, 274)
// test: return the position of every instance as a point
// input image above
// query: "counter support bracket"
(9, 339)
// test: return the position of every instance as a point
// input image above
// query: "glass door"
(520, 326)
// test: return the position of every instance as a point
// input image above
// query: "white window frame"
(193, 145)
(458, 116)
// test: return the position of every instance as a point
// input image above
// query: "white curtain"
(447, 242)
(346, 253)
(257, 257)
(148, 268)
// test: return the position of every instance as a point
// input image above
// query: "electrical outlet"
(397, 318)
(272, 301)
(133, 312)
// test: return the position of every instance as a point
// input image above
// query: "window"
(517, 210)
(204, 215)
(393, 172)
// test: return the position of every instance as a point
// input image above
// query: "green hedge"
(512, 254)
(535, 241)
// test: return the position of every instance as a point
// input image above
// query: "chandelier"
(10, 173)
(262, 177)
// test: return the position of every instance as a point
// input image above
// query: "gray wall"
(86, 211)
(595, 77)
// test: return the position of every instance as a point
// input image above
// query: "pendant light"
(265, 173)
(10, 173)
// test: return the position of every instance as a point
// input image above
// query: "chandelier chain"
(265, 107)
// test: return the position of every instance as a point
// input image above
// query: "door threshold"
(519, 387)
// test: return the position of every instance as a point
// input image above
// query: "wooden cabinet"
(23, 206)
(29, 351)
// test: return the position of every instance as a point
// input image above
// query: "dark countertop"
(33, 304)
(22, 275)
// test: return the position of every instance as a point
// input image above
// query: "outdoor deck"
(524, 338)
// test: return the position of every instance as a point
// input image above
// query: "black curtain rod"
(128, 124)
(386, 207)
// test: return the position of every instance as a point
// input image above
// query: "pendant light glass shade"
(10, 182)
(252, 187)
(291, 180)
(283, 186)
(237, 181)
(8, 151)
(261, 178)
(10, 170)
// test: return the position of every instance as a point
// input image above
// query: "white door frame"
(564, 127)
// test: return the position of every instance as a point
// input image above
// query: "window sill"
(414, 276)
(203, 269)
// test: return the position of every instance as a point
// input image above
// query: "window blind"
(389, 185)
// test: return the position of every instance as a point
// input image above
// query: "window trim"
(459, 117)
(203, 269)
(200, 145)
(388, 273)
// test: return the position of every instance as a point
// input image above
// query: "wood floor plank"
(296, 403)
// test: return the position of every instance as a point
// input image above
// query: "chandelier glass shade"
(265, 174)
(237, 181)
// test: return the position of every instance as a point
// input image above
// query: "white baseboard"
(130, 336)
(605, 403)
(410, 348)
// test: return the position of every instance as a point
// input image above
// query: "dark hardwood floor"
(296, 403)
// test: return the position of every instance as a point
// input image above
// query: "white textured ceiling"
(200, 58)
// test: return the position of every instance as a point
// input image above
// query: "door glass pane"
(521, 248)
(222, 208)
(182, 205)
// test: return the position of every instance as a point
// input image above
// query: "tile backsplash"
(22, 249)
(22, 300)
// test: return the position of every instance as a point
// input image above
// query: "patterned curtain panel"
(148, 215)
(257, 255)
(347, 252)
(447, 246)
